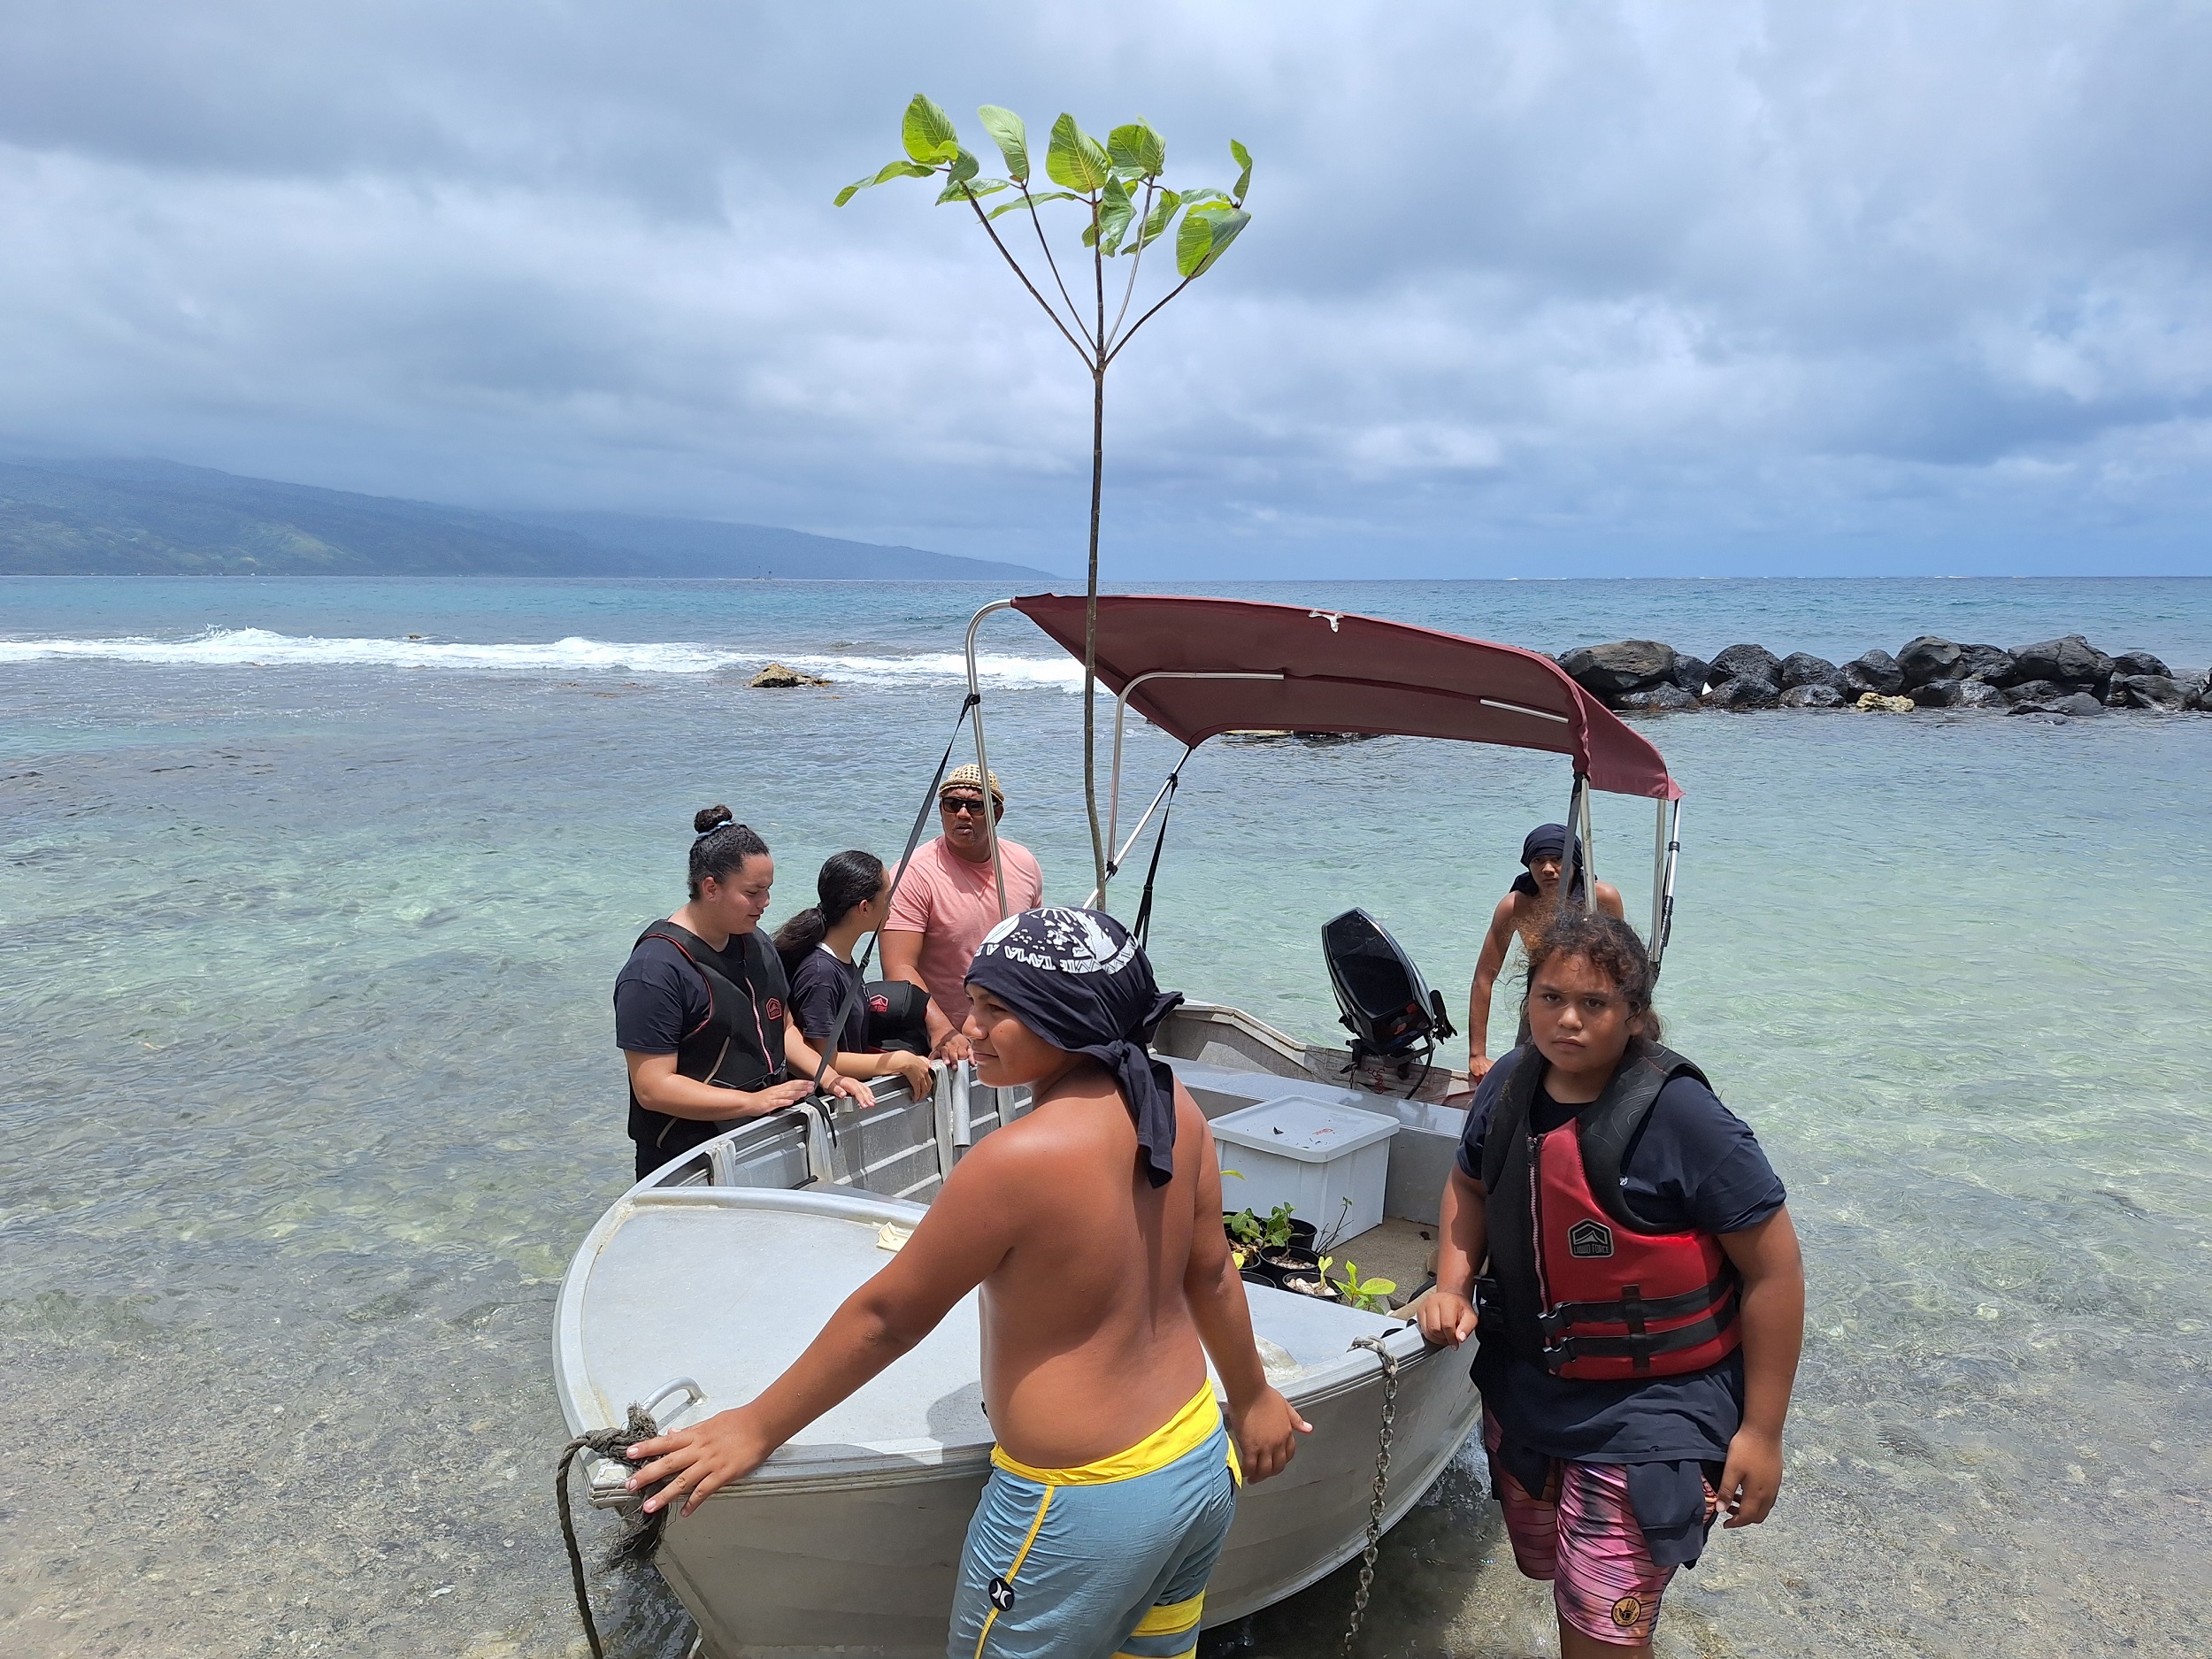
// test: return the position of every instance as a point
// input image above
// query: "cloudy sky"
(1531, 286)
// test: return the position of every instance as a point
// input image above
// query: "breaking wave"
(259, 647)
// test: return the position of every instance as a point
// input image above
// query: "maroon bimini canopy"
(1343, 672)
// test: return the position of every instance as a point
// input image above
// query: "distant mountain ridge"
(127, 518)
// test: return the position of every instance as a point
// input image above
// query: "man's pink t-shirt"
(952, 903)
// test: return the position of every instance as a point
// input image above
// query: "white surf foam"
(261, 647)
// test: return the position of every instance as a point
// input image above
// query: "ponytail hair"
(848, 880)
(721, 847)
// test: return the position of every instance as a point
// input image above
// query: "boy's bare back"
(1088, 1343)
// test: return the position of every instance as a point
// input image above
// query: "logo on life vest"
(1589, 1237)
(774, 1011)
(1002, 1595)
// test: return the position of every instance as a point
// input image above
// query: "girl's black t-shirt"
(819, 983)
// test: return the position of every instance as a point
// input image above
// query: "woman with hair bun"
(817, 948)
(702, 1009)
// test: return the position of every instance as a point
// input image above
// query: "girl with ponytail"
(817, 946)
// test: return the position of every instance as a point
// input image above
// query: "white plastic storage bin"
(1310, 1154)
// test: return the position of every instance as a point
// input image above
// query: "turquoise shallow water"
(305, 941)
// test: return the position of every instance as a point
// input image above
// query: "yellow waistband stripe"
(1180, 1435)
(1172, 1618)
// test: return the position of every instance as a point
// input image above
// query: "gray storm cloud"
(1543, 288)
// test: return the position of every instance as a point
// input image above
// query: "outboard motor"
(1387, 1007)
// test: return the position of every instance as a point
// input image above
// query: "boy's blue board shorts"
(1111, 1558)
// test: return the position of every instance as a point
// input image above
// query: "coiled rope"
(640, 1534)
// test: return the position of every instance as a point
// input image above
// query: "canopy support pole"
(1589, 855)
(1113, 787)
(1573, 857)
(1115, 862)
(1664, 903)
(982, 759)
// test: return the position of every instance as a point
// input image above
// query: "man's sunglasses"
(961, 803)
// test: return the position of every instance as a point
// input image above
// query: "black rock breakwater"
(2059, 678)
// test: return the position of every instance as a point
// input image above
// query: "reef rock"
(776, 677)
(1876, 672)
(2076, 702)
(1929, 657)
(1742, 691)
(1802, 668)
(1666, 697)
(1608, 671)
(1690, 672)
(2037, 691)
(2071, 661)
(2140, 663)
(1812, 696)
(2148, 691)
(1741, 661)
(1958, 693)
(1985, 661)
(2199, 690)
(1875, 702)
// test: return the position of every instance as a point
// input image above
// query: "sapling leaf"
(1114, 211)
(891, 170)
(959, 190)
(1138, 149)
(1050, 196)
(1243, 158)
(1162, 209)
(1011, 137)
(1075, 159)
(1204, 235)
(928, 132)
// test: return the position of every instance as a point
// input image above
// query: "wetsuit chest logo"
(1002, 1595)
(1589, 1237)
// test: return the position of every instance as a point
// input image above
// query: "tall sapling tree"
(1123, 206)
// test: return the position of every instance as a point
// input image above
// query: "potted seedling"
(1315, 1283)
(1286, 1242)
(1369, 1295)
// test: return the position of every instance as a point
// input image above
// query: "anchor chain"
(1382, 1483)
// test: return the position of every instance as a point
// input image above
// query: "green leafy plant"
(1372, 1296)
(1122, 206)
(1244, 1228)
(1277, 1228)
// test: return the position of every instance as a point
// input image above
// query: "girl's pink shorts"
(1581, 1534)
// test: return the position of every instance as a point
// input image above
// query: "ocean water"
(307, 928)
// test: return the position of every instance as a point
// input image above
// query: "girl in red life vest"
(1643, 1304)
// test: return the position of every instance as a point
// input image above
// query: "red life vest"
(1585, 1287)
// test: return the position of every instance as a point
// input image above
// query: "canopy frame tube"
(982, 758)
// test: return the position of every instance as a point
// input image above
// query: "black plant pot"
(1260, 1275)
(1292, 1259)
(1311, 1285)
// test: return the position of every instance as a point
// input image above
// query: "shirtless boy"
(1092, 1225)
(1525, 911)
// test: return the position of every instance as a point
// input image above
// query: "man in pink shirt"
(948, 899)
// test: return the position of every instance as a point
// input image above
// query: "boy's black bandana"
(1078, 980)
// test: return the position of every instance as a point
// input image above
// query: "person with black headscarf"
(1092, 1223)
(1520, 919)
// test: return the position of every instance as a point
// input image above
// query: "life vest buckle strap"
(1560, 1319)
(1641, 1350)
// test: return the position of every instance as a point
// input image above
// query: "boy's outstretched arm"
(956, 1246)
(1265, 1425)
(1773, 1314)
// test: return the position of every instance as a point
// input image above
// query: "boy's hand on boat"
(1752, 1476)
(1478, 1067)
(916, 1072)
(699, 1461)
(1448, 1318)
(1267, 1433)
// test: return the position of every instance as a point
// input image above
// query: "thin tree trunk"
(1090, 625)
